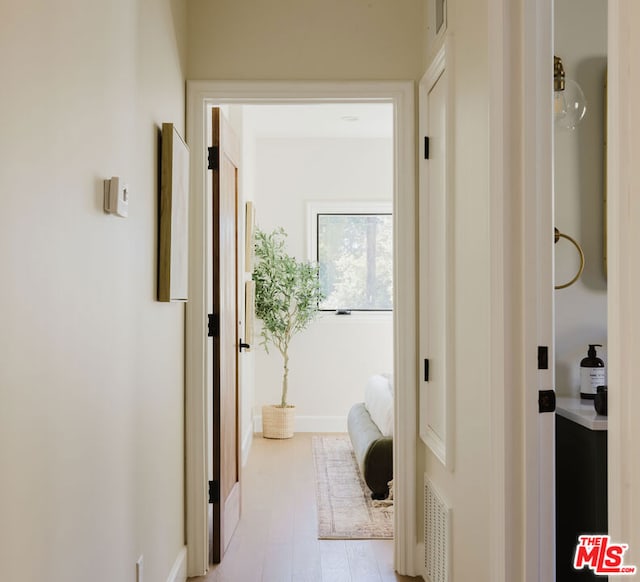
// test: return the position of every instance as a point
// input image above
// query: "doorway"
(580, 297)
(324, 174)
(533, 128)
(202, 95)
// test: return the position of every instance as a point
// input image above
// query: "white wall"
(332, 359)
(581, 310)
(91, 366)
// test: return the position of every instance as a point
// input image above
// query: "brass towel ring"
(557, 236)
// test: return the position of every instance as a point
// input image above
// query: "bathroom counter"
(581, 411)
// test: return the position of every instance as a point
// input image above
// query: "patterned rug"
(345, 508)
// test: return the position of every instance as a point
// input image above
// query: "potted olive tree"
(287, 293)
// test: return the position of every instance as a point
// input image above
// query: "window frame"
(362, 207)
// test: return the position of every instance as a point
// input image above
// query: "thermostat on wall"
(116, 197)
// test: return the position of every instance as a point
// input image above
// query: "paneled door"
(225, 489)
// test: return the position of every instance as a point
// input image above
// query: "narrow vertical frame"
(173, 247)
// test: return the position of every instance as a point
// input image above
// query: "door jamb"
(202, 94)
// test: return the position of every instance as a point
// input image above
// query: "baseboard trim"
(311, 424)
(247, 441)
(179, 570)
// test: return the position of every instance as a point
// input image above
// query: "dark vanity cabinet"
(581, 491)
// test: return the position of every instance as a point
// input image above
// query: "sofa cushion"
(378, 398)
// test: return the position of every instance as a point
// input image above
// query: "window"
(354, 251)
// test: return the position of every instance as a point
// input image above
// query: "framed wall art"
(173, 247)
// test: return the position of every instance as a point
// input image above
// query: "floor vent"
(437, 523)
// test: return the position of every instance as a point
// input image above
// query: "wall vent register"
(437, 523)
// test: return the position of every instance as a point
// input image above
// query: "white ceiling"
(345, 120)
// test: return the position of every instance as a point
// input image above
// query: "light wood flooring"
(276, 540)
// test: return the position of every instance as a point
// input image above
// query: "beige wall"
(91, 373)
(305, 39)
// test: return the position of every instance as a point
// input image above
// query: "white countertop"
(581, 411)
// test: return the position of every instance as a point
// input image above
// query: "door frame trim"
(623, 276)
(202, 94)
(538, 291)
(521, 183)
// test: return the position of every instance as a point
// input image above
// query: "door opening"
(399, 95)
(336, 214)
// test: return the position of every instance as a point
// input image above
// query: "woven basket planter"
(277, 422)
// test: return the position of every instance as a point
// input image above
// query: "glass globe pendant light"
(569, 102)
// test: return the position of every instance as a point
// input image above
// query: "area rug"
(345, 508)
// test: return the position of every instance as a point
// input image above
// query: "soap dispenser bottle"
(591, 373)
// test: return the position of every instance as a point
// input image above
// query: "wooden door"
(226, 465)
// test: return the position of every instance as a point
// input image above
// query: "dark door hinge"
(426, 147)
(214, 491)
(214, 158)
(543, 358)
(426, 370)
(546, 401)
(212, 325)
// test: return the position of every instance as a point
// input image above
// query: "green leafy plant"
(287, 295)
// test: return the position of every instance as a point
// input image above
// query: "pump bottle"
(592, 373)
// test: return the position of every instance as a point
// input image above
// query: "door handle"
(244, 346)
